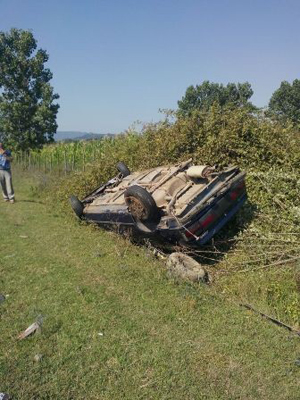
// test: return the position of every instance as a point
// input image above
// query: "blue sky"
(119, 61)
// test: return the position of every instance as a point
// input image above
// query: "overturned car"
(183, 204)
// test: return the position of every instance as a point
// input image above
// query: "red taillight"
(207, 220)
(200, 224)
(238, 189)
(233, 195)
(221, 207)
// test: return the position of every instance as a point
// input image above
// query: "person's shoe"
(12, 201)
(5, 200)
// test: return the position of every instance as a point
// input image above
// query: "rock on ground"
(184, 267)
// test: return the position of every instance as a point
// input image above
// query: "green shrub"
(223, 137)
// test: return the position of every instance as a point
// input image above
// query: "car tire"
(77, 206)
(123, 169)
(141, 204)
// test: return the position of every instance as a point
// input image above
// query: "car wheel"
(121, 167)
(77, 206)
(141, 204)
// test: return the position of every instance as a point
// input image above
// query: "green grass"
(159, 339)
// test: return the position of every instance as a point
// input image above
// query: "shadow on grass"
(30, 201)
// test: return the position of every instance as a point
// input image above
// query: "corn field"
(61, 158)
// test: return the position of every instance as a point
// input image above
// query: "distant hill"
(70, 135)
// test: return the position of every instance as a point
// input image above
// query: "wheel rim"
(136, 208)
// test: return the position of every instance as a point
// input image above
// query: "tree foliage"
(285, 102)
(27, 101)
(202, 97)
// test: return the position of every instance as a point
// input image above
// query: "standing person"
(5, 175)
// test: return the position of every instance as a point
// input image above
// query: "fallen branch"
(274, 320)
(270, 265)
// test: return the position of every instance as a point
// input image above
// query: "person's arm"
(8, 156)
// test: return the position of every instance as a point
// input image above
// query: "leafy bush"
(222, 137)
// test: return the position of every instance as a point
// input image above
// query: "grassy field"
(115, 327)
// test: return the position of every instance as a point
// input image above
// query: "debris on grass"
(38, 357)
(35, 327)
(2, 298)
(159, 254)
(4, 396)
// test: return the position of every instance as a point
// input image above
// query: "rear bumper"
(188, 236)
(214, 216)
(208, 234)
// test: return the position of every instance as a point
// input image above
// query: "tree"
(202, 97)
(27, 101)
(285, 102)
